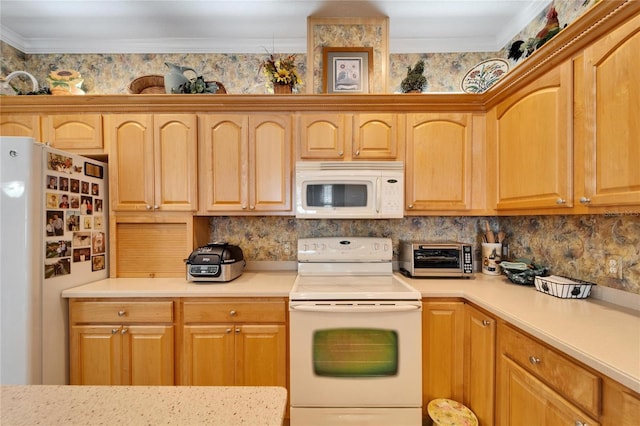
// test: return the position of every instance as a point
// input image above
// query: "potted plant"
(414, 82)
(282, 72)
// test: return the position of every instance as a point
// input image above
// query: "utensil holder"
(491, 256)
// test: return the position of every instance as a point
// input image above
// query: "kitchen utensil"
(491, 238)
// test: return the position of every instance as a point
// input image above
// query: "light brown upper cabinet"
(20, 125)
(245, 163)
(152, 161)
(533, 136)
(329, 136)
(607, 125)
(438, 162)
(77, 133)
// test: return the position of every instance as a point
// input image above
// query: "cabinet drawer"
(564, 375)
(121, 312)
(234, 311)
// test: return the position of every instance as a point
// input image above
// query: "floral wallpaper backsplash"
(574, 246)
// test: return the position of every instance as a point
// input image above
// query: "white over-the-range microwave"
(349, 189)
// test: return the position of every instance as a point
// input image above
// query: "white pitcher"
(6, 89)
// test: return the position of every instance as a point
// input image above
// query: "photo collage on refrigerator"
(75, 222)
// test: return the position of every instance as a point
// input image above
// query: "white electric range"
(355, 336)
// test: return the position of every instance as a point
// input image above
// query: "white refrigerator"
(53, 218)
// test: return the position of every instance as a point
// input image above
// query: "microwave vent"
(349, 165)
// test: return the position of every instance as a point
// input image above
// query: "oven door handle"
(355, 308)
(378, 195)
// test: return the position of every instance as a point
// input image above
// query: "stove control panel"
(345, 249)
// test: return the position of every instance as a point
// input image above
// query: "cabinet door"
(223, 163)
(523, 400)
(20, 125)
(442, 350)
(375, 136)
(609, 126)
(321, 136)
(95, 355)
(208, 355)
(131, 161)
(147, 355)
(269, 163)
(534, 140)
(479, 364)
(261, 355)
(438, 162)
(80, 133)
(175, 149)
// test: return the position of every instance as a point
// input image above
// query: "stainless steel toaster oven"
(436, 259)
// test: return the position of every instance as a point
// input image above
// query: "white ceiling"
(251, 26)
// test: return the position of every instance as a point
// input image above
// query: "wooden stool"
(446, 412)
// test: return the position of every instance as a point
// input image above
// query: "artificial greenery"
(414, 81)
(198, 85)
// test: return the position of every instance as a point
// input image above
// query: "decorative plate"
(446, 412)
(484, 75)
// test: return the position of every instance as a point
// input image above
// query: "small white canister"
(491, 255)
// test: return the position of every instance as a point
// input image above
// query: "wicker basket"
(147, 84)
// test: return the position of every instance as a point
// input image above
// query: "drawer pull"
(585, 200)
(122, 313)
(228, 330)
(114, 330)
(561, 201)
(232, 313)
(237, 330)
(124, 331)
(486, 323)
(533, 360)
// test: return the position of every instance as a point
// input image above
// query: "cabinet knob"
(357, 153)
(410, 206)
(252, 207)
(124, 331)
(561, 201)
(585, 200)
(156, 207)
(486, 322)
(237, 330)
(114, 330)
(341, 154)
(232, 313)
(122, 313)
(244, 207)
(228, 330)
(579, 423)
(533, 360)
(148, 207)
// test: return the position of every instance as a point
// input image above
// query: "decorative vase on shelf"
(282, 89)
(65, 82)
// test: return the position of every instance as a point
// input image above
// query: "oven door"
(356, 354)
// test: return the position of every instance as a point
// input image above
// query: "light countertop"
(603, 336)
(142, 405)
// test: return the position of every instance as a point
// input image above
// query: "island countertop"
(142, 405)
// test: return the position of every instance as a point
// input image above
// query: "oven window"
(355, 352)
(337, 195)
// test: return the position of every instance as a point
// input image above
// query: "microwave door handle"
(378, 194)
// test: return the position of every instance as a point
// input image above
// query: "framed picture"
(347, 69)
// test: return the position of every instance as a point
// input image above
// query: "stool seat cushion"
(447, 412)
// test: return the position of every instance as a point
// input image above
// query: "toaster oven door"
(443, 259)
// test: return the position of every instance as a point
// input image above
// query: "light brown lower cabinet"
(230, 342)
(442, 350)
(121, 342)
(479, 363)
